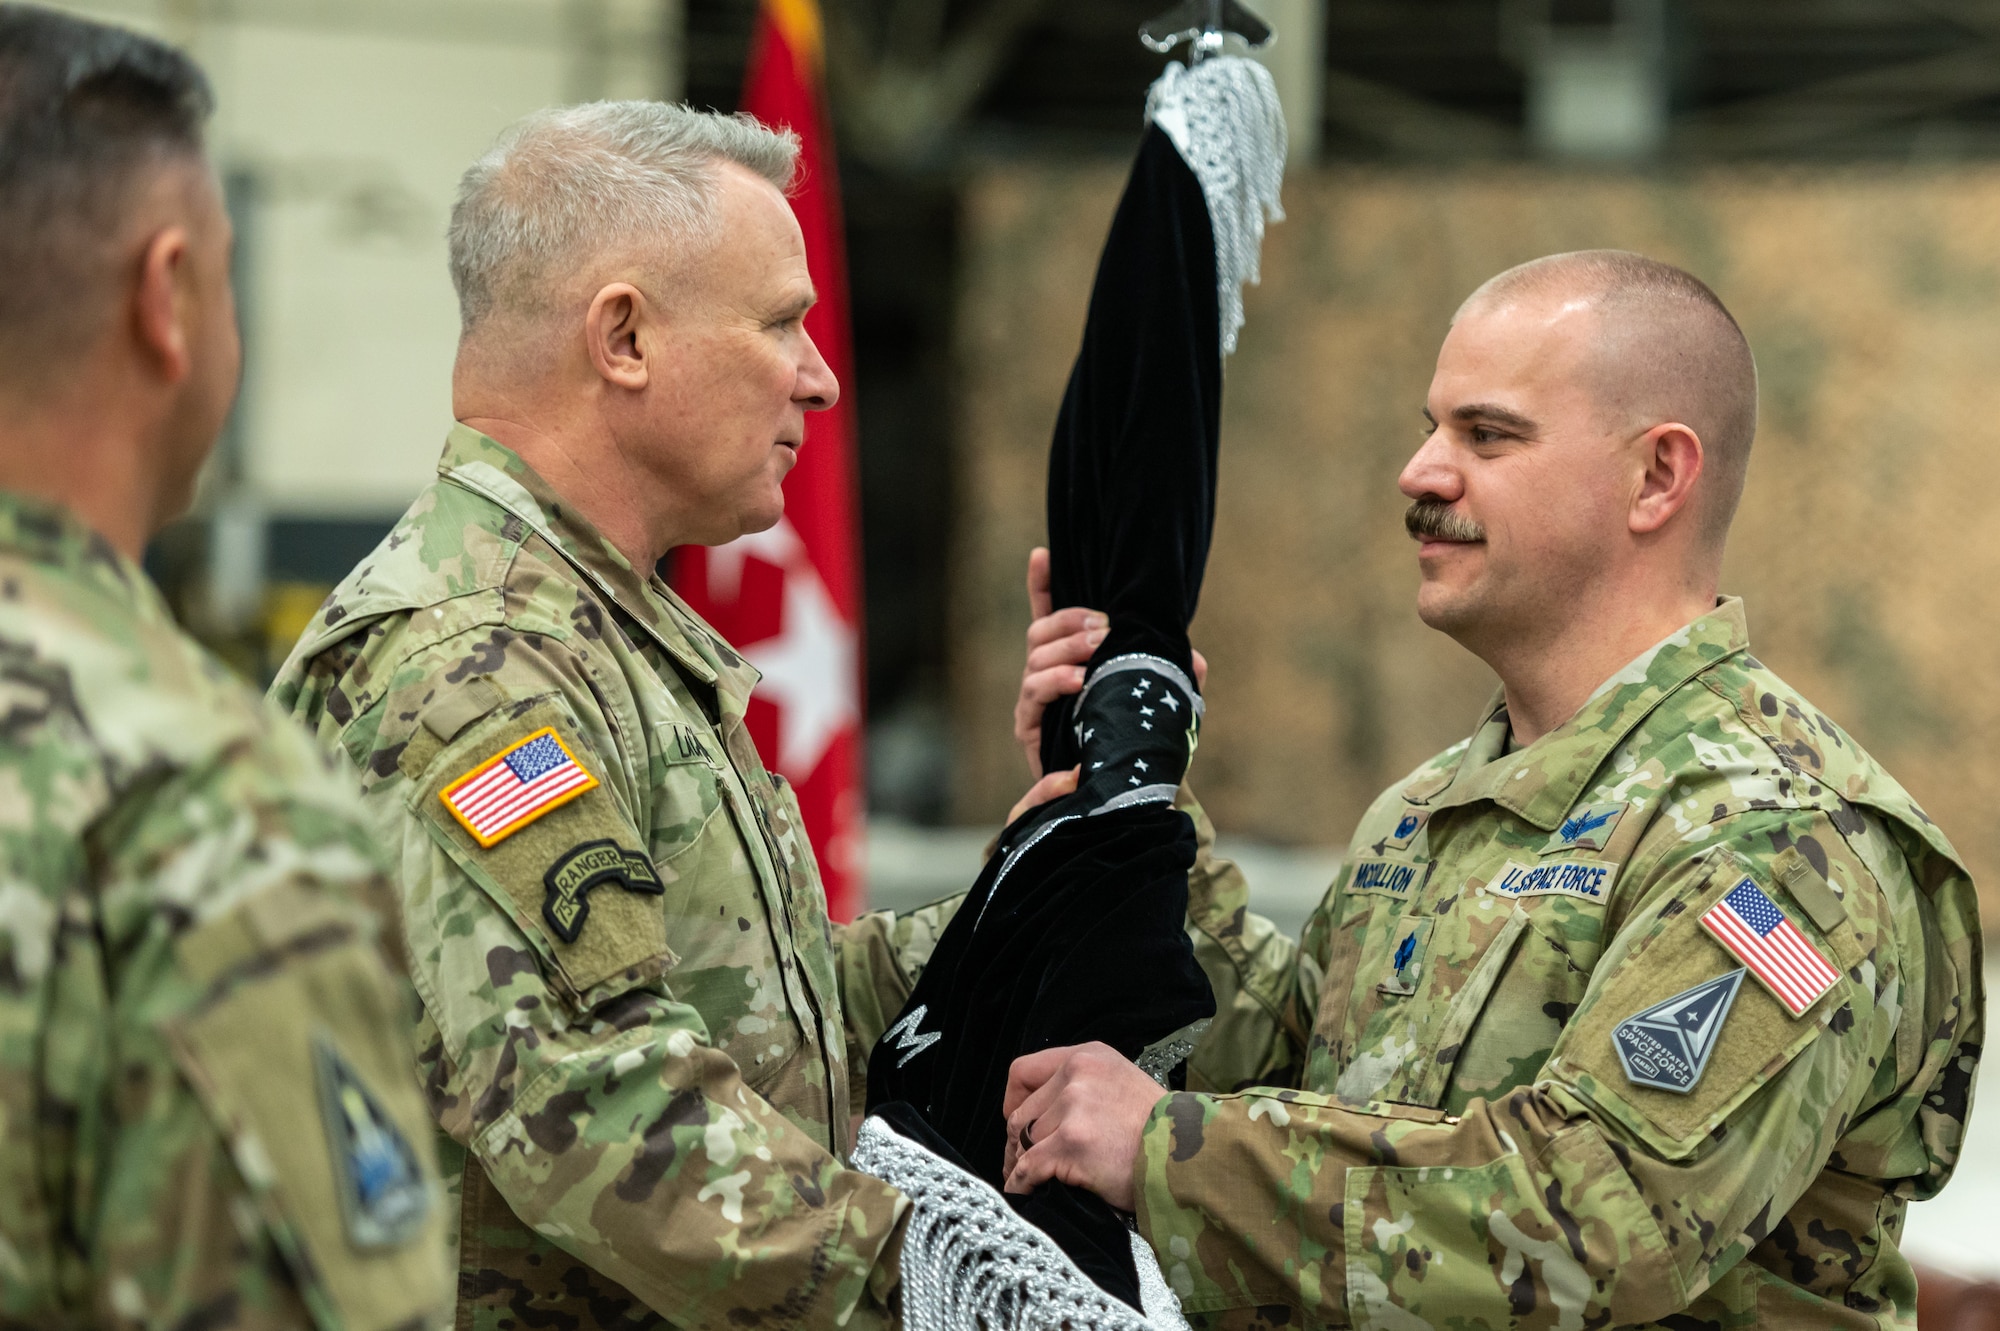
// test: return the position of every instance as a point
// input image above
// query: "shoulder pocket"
(1683, 1029)
(517, 802)
(301, 1054)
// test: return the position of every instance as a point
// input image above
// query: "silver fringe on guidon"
(971, 1264)
(1223, 115)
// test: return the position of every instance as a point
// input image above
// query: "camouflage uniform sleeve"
(1266, 985)
(256, 1151)
(1584, 1198)
(880, 957)
(560, 1056)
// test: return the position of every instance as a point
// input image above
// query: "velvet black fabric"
(1131, 499)
(1083, 940)
(1075, 930)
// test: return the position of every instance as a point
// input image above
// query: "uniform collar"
(492, 470)
(1542, 781)
(52, 537)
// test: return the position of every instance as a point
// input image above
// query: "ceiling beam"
(1840, 106)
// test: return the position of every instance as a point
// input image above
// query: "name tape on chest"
(1387, 878)
(515, 786)
(683, 743)
(1579, 880)
(1756, 931)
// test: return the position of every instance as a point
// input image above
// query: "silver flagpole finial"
(1203, 24)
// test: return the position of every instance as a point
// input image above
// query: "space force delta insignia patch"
(1667, 1046)
(515, 786)
(383, 1196)
(570, 879)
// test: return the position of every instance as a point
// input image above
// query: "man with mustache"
(1652, 1003)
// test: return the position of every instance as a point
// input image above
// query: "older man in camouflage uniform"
(633, 1031)
(206, 1111)
(1653, 1003)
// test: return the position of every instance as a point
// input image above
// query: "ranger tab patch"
(583, 867)
(1588, 827)
(516, 786)
(1667, 1046)
(382, 1192)
(1757, 933)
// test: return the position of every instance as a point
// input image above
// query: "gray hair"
(89, 114)
(567, 182)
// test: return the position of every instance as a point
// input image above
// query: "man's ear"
(611, 334)
(1670, 456)
(162, 300)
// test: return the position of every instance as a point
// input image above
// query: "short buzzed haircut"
(567, 183)
(1673, 351)
(88, 114)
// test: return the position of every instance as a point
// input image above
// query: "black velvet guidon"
(1076, 929)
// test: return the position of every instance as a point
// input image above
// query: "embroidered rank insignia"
(1387, 878)
(1586, 828)
(1754, 930)
(1406, 963)
(1406, 829)
(1582, 880)
(1667, 1046)
(516, 786)
(583, 867)
(382, 1192)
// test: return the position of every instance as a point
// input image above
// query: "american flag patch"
(1757, 933)
(516, 786)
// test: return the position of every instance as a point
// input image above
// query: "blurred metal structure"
(1631, 80)
(1596, 71)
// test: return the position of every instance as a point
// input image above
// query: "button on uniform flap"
(1808, 888)
(572, 872)
(458, 708)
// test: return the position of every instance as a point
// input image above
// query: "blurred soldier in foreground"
(206, 1111)
(1654, 1002)
(633, 1034)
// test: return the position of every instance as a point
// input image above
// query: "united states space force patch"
(382, 1192)
(1667, 1046)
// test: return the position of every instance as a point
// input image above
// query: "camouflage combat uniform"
(1486, 1130)
(207, 1116)
(633, 1036)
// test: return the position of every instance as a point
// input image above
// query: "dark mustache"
(1433, 519)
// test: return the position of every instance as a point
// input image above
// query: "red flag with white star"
(790, 598)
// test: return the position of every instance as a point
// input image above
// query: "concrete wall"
(1866, 546)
